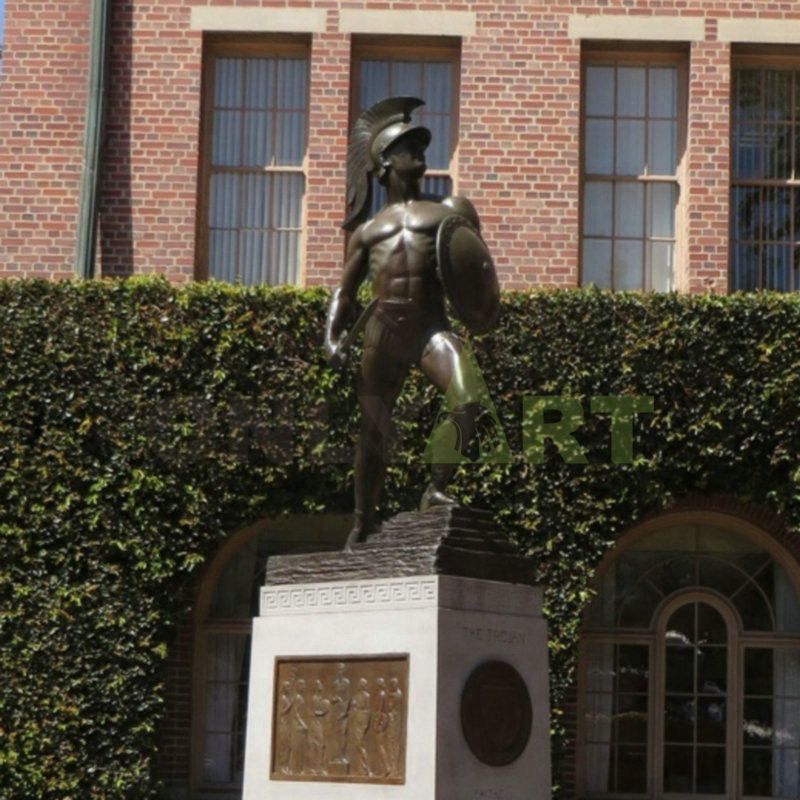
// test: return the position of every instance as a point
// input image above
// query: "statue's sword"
(357, 327)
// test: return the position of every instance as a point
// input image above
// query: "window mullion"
(695, 686)
(646, 267)
(735, 701)
(763, 173)
(658, 703)
(614, 124)
(793, 174)
(269, 189)
(242, 179)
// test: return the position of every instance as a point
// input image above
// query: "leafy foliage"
(142, 423)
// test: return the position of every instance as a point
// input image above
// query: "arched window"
(690, 667)
(227, 603)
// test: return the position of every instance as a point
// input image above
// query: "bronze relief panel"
(338, 719)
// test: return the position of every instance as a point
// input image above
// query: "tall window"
(765, 178)
(633, 140)
(428, 73)
(254, 151)
(691, 671)
(228, 602)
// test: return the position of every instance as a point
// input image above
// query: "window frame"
(244, 46)
(653, 638)
(734, 646)
(760, 57)
(593, 55)
(412, 49)
(203, 628)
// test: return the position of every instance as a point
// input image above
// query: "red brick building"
(644, 144)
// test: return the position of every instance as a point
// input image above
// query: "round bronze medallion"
(496, 713)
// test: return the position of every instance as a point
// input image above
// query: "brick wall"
(518, 153)
(42, 102)
(327, 146)
(708, 170)
(149, 182)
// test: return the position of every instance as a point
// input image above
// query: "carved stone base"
(441, 541)
(422, 685)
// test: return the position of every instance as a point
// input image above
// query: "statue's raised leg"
(444, 361)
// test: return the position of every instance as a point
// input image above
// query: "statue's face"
(406, 156)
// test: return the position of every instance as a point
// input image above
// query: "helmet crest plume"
(360, 159)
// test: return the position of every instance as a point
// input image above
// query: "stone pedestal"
(409, 669)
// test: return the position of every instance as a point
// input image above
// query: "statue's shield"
(467, 273)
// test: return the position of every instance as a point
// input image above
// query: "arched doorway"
(227, 602)
(690, 666)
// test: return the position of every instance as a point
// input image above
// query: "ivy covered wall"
(142, 423)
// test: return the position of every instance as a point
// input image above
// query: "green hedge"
(142, 423)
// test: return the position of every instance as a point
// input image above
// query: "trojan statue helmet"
(375, 130)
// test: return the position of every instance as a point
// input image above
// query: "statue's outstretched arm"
(343, 303)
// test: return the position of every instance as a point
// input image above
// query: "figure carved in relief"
(394, 712)
(361, 713)
(320, 706)
(299, 735)
(284, 744)
(380, 726)
(340, 711)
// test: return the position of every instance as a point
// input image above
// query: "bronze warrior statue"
(418, 252)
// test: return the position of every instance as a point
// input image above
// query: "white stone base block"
(447, 626)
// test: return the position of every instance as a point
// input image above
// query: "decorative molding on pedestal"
(440, 591)
(355, 596)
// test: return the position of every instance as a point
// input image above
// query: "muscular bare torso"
(401, 242)
(398, 246)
